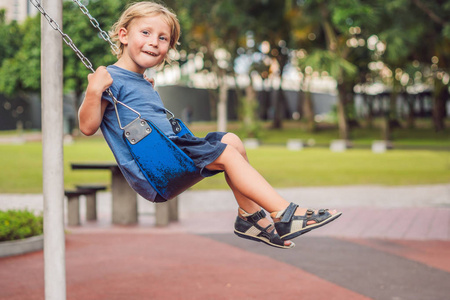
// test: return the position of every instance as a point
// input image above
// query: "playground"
(107, 242)
(392, 245)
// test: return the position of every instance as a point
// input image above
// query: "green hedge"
(19, 224)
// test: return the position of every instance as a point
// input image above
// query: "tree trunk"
(222, 105)
(281, 106)
(410, 120)
(280, 109)
(386, 125)
(393, 115)
(386, 129)
(308, 112)
(239, 92)
(440, 97)
(249, 112)
(300, 102)
(391, 120)
(264, 97)
(341, 113)
(308, 106)
(213, 102)
(369, 102)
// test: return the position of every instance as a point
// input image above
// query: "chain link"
(80, 55)
(65, 37)
(103, 34)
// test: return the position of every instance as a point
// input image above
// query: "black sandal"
(289, 226)
(246, 226)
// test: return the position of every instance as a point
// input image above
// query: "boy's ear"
(123, 36)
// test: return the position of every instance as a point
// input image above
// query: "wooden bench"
(73, 203)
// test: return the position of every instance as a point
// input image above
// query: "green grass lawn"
(421, 137)
(22, 166)
(321, 167)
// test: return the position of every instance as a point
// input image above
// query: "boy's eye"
(163, 38)
(145, 32)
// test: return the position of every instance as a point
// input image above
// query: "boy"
(144, 33)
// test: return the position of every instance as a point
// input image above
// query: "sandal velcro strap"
(291, 226)
(247, 227)
(318, 217)
(257, 216)
(289, 213)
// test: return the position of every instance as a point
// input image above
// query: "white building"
(17, 9)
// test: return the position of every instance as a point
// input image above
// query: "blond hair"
(146, 9)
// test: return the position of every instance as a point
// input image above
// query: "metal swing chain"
(104, 35)
(81, 56)
(65, 37)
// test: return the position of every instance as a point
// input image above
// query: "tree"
(338, 68)
(10, 36)
(214, 31)
(332, 52)
(408, 61)
(437, 19)
(18, 76)
(15, 75)
(271, 26)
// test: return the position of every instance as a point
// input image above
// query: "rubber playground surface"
(370, 252)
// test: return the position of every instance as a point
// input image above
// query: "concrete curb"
(17, 247)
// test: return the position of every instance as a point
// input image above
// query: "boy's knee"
(228, 155)
(233, 140)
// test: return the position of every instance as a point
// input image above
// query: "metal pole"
(52, 149)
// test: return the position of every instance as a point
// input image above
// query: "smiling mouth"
(151, 53)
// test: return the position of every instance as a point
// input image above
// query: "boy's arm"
(91, 111)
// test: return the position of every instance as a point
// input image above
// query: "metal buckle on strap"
(175, 125)
(137, 130)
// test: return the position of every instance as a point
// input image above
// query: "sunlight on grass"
(22, 166)
(321, 167)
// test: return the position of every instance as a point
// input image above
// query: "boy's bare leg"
(247, 184)
(247, 181)
(249, 206)
(245, 203)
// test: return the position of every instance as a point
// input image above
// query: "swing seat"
(166, 167)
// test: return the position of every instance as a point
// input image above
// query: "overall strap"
(173, 122)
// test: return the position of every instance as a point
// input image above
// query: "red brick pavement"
(143, 262)
(156, 266)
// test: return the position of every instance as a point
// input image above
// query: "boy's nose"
(153, 41)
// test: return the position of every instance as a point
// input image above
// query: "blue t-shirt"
(133, 90)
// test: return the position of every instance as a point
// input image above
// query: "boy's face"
(146, 42)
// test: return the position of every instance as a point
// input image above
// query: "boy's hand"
(151, 80)
(100, 80)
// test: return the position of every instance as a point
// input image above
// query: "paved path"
(390, 243)
(407, 212)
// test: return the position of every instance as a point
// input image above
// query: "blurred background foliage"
(402, 46)
(377, 50)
